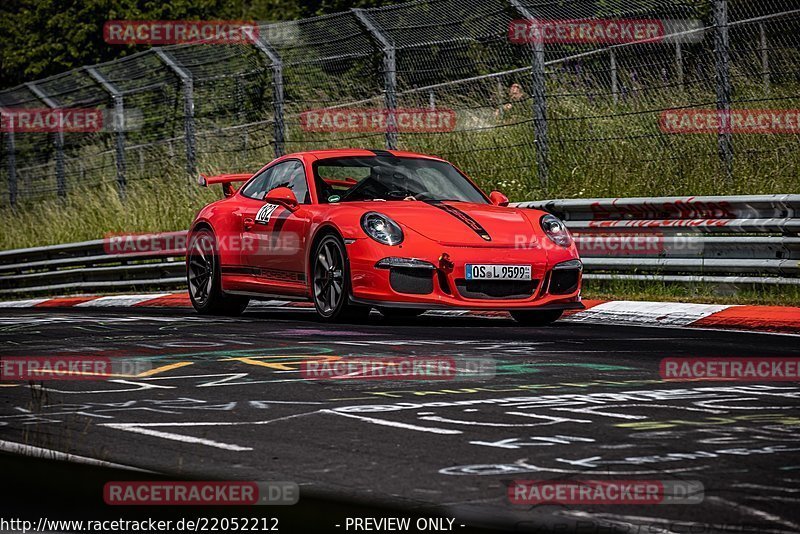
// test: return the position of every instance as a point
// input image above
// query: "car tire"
(536, 317)
(330, 283)
(204, 279)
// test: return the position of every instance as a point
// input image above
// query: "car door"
(276, 234)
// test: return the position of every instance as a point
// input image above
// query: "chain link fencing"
(535, 118)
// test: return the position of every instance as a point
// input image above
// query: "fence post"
(118, 124)
(12, 168)
(277, 92)
(762, 30)
(188, 108)
(539, 101)
(11, 151)
(723, 85)
(238, 98)
(614, 82)
(679, 63)
(389, 75)
(540, 116)
(61, 183)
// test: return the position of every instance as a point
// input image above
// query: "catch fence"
(531, 115)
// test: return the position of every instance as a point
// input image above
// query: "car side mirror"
(498, 198)
(283, 196)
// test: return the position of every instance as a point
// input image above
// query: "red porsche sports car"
(355, 229)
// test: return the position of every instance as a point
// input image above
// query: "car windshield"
(392, 178)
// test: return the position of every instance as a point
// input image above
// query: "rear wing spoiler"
(225, 179)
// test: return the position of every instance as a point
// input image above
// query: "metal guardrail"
(89, 265)
(732, 239)
(729, 240)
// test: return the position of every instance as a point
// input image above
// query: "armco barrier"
(89, 265)
(742, 239)
(722, 239)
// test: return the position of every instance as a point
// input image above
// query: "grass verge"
(761, 295)
(150, 206)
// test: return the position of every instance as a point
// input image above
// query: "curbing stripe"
(120, 301)
(63, 302)
(28, 303)
(768, 318)
(175, 300)
(649, 313)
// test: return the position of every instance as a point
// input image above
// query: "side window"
(291, 174)
(258, 186)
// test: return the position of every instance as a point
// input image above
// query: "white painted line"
(177, 437)
(145, 429)
(27, 303)
(646, 313)
(50, 454)
(120, 300)
(394, 424)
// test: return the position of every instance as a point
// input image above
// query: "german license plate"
(497, 272)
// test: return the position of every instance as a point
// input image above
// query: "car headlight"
(381, 228)
(556, 230)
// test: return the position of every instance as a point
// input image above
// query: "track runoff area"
(628, 418)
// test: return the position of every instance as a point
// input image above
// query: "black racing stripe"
(273, 274)
(463, 217)
(239, 269)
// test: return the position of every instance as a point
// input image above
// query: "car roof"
(355, 152)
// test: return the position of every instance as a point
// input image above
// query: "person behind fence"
(515, 96)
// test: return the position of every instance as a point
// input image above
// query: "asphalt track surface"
(225, 399)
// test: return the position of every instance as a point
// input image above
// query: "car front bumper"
(421, 279)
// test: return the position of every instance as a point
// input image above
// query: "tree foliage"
(40, 38)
